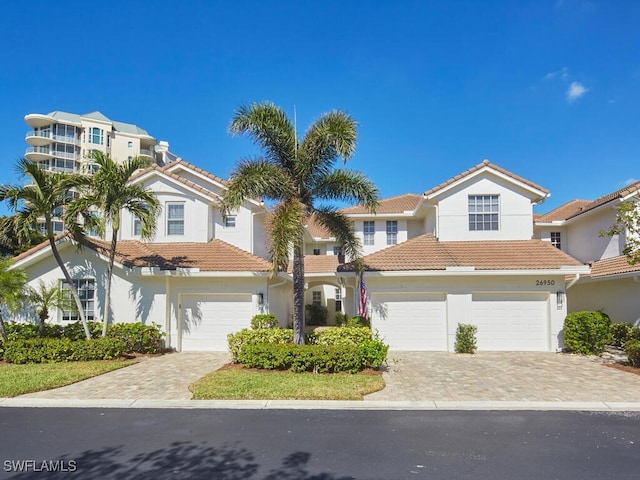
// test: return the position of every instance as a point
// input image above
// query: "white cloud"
(563, 74)
(576, 90)
(629, 181)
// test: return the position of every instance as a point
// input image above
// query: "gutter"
(573, 282)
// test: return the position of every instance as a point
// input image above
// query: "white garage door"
(207, 319)
(410, 321)
(517, 321)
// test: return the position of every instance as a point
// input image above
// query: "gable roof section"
(213, 256)
(316, 230)
(563, 212)
(318, 264)
(180, 163)
(174, 176)
(407, 202)
(426, 253)
(484, 166)
(620, 194)
(613, 266)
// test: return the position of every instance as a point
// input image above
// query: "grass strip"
(236, 384)
(34, 377)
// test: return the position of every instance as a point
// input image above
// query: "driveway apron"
(504, 376)
(165, 377)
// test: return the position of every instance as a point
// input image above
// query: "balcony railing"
(147, 153)
(66, 139)
(43, 134)
(46, 150)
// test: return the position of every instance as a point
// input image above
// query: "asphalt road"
(59, 443)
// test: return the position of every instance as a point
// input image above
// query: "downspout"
(167, 289)
(572, 282)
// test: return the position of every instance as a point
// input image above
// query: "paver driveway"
(504, 376)
(166, 377)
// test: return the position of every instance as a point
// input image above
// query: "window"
(316, 251)
(129, 144)
(86, 289)
(369, 231)
(316, 298)
(555, 240)
(58, 227)
(483, 212)
(392, 232)
(175, 218)
(230, 221)
(96, 136)
(137, 226)
(337, 250)
(338, 300)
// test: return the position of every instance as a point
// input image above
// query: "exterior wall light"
(260, 298)
(559, 300)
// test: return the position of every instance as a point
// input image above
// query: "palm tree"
(42, 198)
(46, 297)
(12, 284)
(295, 174)
(101, 204)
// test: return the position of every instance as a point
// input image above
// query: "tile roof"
(316, 230)
(318, 264)
(176, 177)
(613, 266)
(190, 166)
(397, 204)
(426, 253)
(617, 195)
(213, 256)
(485, 163)
(563, 212)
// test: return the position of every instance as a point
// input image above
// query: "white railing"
(66, 139)
(147, 153)
(43, 134)
(44, 149)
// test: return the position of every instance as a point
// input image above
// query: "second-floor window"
(175, 218)
(96, 135)
(316, 251)
(392, 232)
(369, 232)
(316, 298)
(555, 240)
(230, 221)
(137, 226)
(483, 212)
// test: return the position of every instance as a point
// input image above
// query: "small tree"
(47, 297)
(627, 223)
(12, 283)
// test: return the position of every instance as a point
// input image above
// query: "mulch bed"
(624, 367)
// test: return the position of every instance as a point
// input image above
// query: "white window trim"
(169, 220)
(368, 237)
(483, 214)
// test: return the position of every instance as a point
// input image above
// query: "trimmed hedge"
(53, 350)
(247, 336)
(342, 336)
(264, 320)
(75, 331)
(312, 358)
(632, 349)
(620, 333)
(587, 332)
(17, 331)
(466, 341)
(138, 337)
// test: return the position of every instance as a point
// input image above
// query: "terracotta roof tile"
(213, 256)
(617, 195)
(397, 204)
(563, 212)
(316, 230)
(318, 264)
(613, 266)
(427, 253)
(485, 163)
(190, 166)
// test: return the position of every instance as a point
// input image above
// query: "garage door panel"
(208, 319)
(410, 321)
(511, 321)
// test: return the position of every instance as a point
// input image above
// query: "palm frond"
(348, 186)
(286, 228)
(270, 127)
(257, 179)
(341, 227)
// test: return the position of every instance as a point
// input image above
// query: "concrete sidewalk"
(415, 380)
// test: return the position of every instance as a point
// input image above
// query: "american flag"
(362, 304)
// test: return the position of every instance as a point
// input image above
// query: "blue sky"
(548, 89)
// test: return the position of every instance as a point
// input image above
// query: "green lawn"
(232, 384)
(32, 377)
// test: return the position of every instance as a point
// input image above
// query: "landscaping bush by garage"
(52, 350)
(632, 349)
(342, 336)
(620, 333)
(587, 332)
(247, 336)
(138, 337)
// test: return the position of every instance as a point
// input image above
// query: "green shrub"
(98, 349)
(24, 331)
(358, 321)
(264, 320)
(342, 336)
(247, 336)
(466, 341)
(54, 350)
(341, 319)
(75, 331)
(138, 337)
(373, 353)
(315, 314)
(634, 334)
(302, 358)
(632, 349)
(587, 332)
(620, 333)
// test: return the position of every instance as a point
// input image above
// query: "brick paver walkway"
(504, 376)
(154, 378)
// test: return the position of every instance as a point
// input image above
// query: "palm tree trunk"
(298, 295)
(107, 295)
(72, 287)
(43, 316)
(3, 331)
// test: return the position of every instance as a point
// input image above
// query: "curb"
(319, 405)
